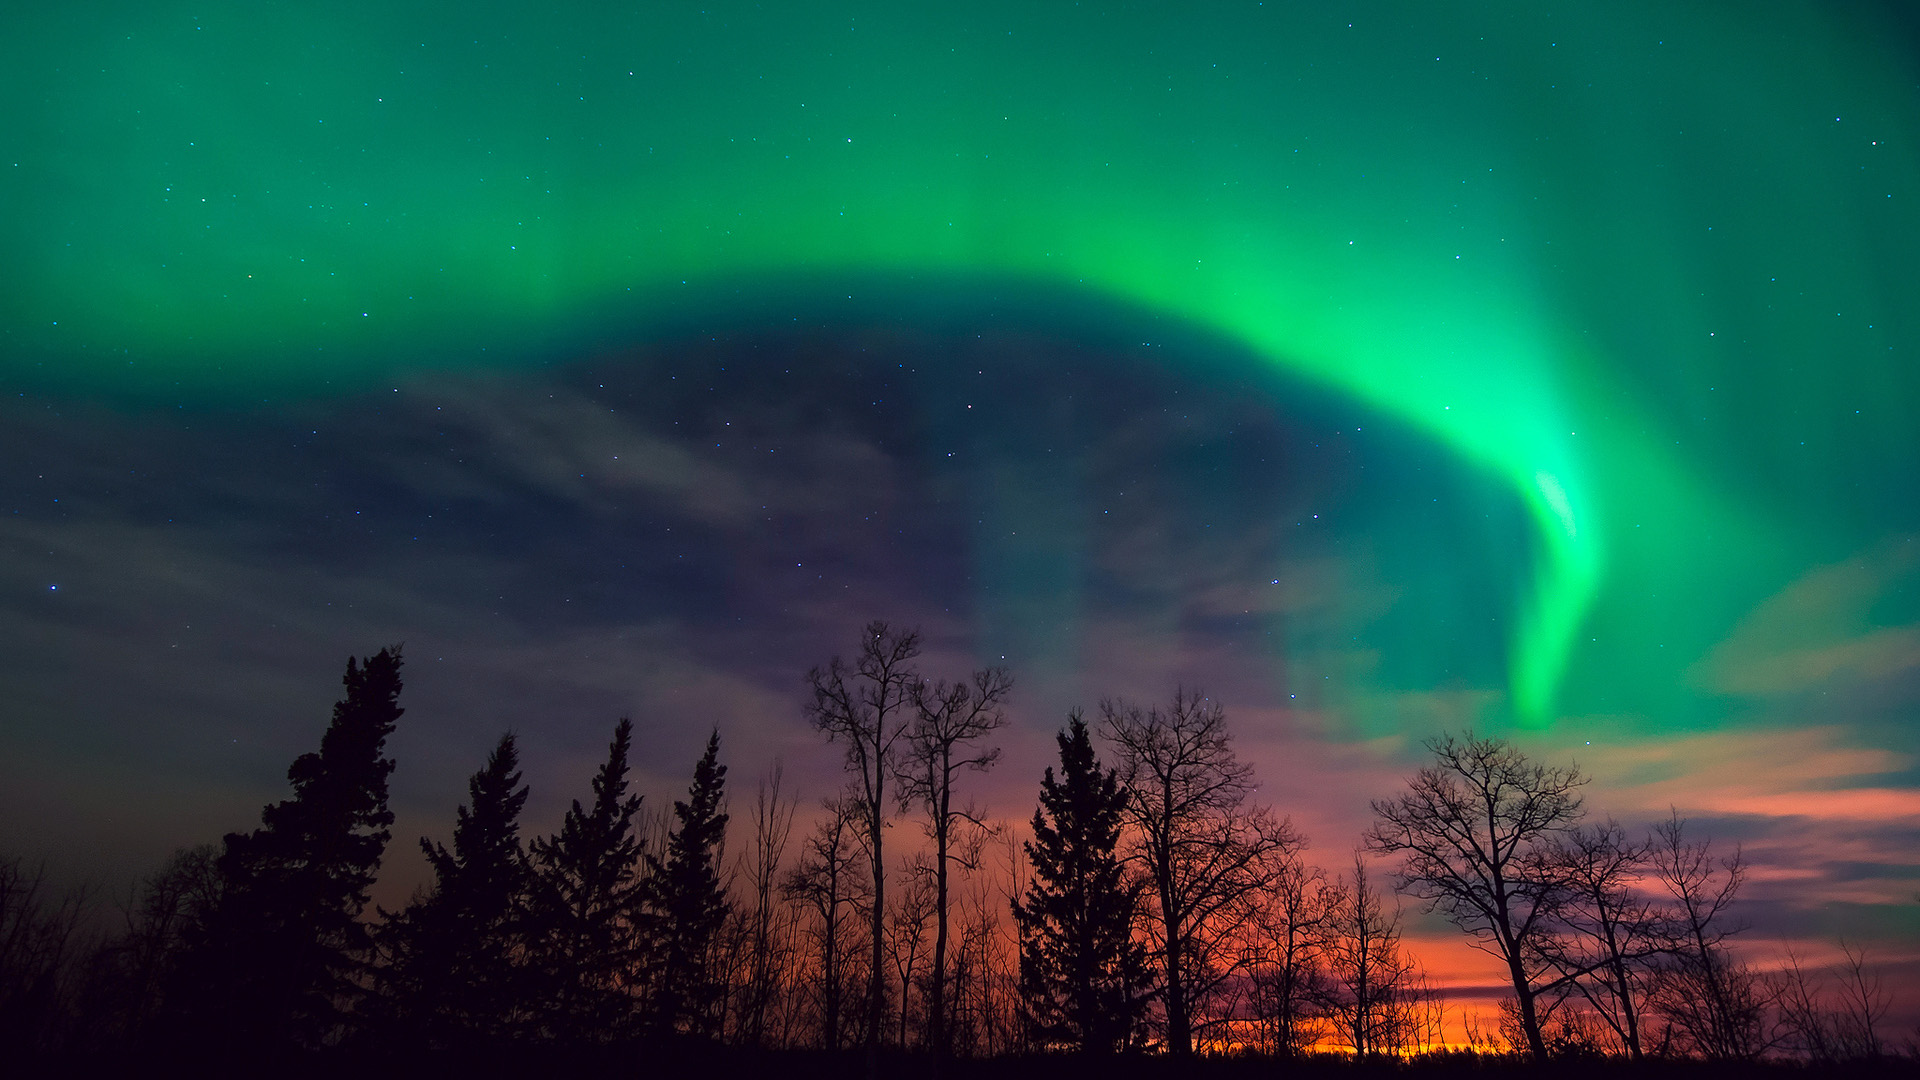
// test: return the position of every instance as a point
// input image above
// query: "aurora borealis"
(630, 359)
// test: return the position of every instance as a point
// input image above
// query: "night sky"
(1383, 369)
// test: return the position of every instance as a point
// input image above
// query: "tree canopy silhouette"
(454, 956)
(687, 903)
(280, 959)
(1476, 829)
(1207, 854)
(585, 907)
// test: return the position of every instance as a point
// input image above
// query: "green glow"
(1495, 224)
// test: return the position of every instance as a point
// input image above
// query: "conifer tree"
(454, 970)
(686, 902)
(586, 897)
(1082, 975)
(280, 960)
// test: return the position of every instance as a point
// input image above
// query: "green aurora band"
(1548, 234)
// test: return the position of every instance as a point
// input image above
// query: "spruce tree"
(280, 960)
(686, 903)
(1082, 975)
(586, 896)
(454, 968)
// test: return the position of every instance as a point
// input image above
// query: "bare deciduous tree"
(1864, 1001)
(166, 904)
(42, 941)
(1207, 853)
(1609, 931)
(1475, 828)
(952, 721)
(907, 941)
(825, 881)
(1368, 995)
(866, 705)
(1284, 956)
(772, 825)
(1713, 1004)
(1831, 1026)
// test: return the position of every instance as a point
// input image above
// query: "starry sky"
(1548, 368)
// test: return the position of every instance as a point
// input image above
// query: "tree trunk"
(1630, 1018)
(1179, 1028)
(1529, 1014)
(937, 995)
(876, 981)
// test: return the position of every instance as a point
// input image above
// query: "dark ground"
(725, 1063)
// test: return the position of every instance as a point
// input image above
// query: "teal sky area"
(1648, 269)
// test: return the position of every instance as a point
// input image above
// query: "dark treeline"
(1154, 911)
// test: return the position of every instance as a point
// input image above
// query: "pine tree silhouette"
(454, 970)
(686, 903)
(280, 961)
(586, 895)
(1083, 977)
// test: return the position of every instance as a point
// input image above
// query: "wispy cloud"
(1820, 630)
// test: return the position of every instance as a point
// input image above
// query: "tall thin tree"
(1370, 976)
(1713, 1004)
(824, 881)
(1285, 956)
(866, 706)
(772, 825)
(945, 740)
(1609, 932)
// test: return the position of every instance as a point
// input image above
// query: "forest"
(1152, 915)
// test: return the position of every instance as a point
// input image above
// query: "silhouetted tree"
(951, 721)
(585, 906)
(907, 919)
(866, 705)
(1830, 1027)
(282, 959)
(1609, 932)
(42, 943)
(686, 903)
(1863, 1004)
(825, 880)
(455, 956)
(772, 825)
(1083, 977)
(1714, 1005)
(1207, 855)
(1285, 956)
(166, 906)
(1475, 828)
(1368, 992)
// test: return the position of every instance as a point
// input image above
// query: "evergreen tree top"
(688, 882)
(486, 833)
(593, 857)
(337, 822)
